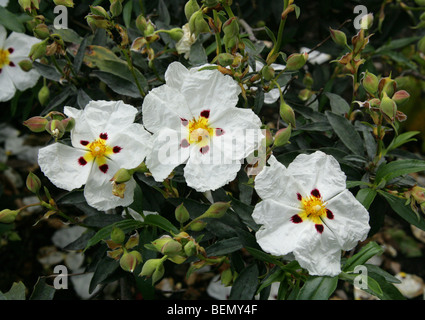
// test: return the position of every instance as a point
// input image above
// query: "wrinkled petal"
(166, 153)
(21, 44)
(175, 74)
(82, 130)
(60, 164)
(8, 89)
(22, 80)
(98, 189)
(271, 181)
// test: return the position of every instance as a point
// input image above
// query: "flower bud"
(117, 235)
(370, 83)
(227, 277)
(141, 23)
(388, 107)
(282, 136)
(8, 216)
(116, 8)
(338, 37)
(38, 50)
(269, 137)
(99, 11)
(231, 32)
(66, 3)
(121, 176)
(153, 268)
(388, 86)
(25, 65)
(225, 59)
(190, 249)
(176, 34)
(421, 45)
(305, 94)
(36, 124)
(44, 95)
(197, 225)
(167, 245)
(181, 213)
(296, 61)
(41, 31)
(367, 21)
(418, 194)
(211, 3)
(55, 128)
(25, 4)
(190, 8)
(287, 113)
(33, 183)
(216, 210)
(401, 97)
(130, 260)
(267, 72)
(197, 23)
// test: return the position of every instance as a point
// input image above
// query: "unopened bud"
(338, 37)
(296, 61)
(99, 11)
(282, 136)
(190, 8)
(117, 235)
(141, 23)
(388, 107)
(130, 260)
(25, 65)
(121, 176)
(116, 8)
(44, 95)
(211, 3)
(33, 183)
(401, 97)
(197, 23)
(55, 128)
(190, 249)
(36, 124)
(367, 21)
(167, 245)
(181, 214)
(41, 31)
(387, 86)
(197, 225)
(25, 4)
(176, 34)
(231, 32)
(8, 216)
(216, 210)
(269, 137)
(225, 59)
(38, 50)
(287, 113)
(267, 73)
(66, 3)
(153, 268)
(370, 83)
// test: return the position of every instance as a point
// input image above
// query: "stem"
(278, 43)
(229, 11)
(130, 65)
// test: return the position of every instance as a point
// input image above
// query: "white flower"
(194, 118)
(4, 3)
(273, 95)
(104, 140)
(185, 43)
(13, 50)
(316, 57)
(307, 210)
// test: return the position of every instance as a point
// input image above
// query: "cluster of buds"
(55, 123)
(416, 198)
(384, 98)
(30, 6)
(128, 259)
(52, 44)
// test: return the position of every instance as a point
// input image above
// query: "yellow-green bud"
(121, 176)
(197, 225)
(287, 113)
(55, 128)
(367, 21)
(225, 59)
(66, 3)
(197, 23)
(216, 210)
(44, 95)
(25, 4)
(99, 11)
(296, 61)
(190, 8)
(130, 260)
(141, 23)
(176, 34)
(33, 183)
(8, 216)
(267, 73)
(190, 249)
(116, 8)
(231, 32)
(401, 97)
(418, 194)
(282, 136)
(388, 107)
(338, 37)
(36, 124)
(38, 50)
(25, 65)
(41, 31)
(387, 86)
(181, 214)
(153, 268)
(167, 245)
(370, 83)
(117, 235)
(68, 123)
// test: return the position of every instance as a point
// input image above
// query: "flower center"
(313, 207)
(199, 131)
(4, 58)
(98, 148)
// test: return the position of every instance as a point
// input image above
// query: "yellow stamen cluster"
(4, 58)
(199, 131)
(313, 208)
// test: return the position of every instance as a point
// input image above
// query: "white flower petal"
(133, 143)
(98, 189)
(21, 44)
(7, 87)
(82, 130)
(166, 153)
(272, 96)
(175, 75)
(271, 181)
(21, 79)
(351, 220)
(60, 164)
(4, 3)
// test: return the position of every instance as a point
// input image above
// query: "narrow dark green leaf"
(262, 256)
(338, 104)
(126, 13)
(161, 222)
(366, 196)
(9, 21)
(224, 247)
(47, 71)
(117, 84)
(397, 168)
(346, 132)
(367, 252)
(245, 285)
(79, 57)
(318, 288)
(42, 291)
(104, 268)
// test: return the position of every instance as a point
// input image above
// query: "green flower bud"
(387, 86)
(388, 107)
(421, 45)
(33, 183)
(190, 249)
(44, 95)
(197, 225)
(367, 21)
(55, 128)
(8, 216)
(267, 72)
(38, 50)
(216, 210)
(338, 37)
(25, 4)
(41, 31)
(130, 260)
(153, 268)
(36, 124)
(197, 23)
(269, 137)
(25, 65)
(211, 3)
(418, 194)
(190, 8)
(296, 61)
(167, 245)
(401, 97)
(66, 3)
(181, 214)
(117, 235)
(287, 113)
(122, 176)
(225, 59)
(282, 136)
(99, 11)
(231, 32)
(176, 34)
(116, 8)
(141, 23)
(68, 123)
(370, 83)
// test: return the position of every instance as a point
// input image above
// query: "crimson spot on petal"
(219, 132)
(319, 227)
(185, 122)
(329, 214)
(184, 143)
(299, 197)
(204, 150)
(84, 142)
(315, 193)
(296, 219)
(116, 149)
(104, 168)
(205, 113)
(11, 64)
(103, 136)
(10, 50)
(82, 161)
(0, 70)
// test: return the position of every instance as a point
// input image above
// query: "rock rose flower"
(185, 43)
(307, 210)
(13, 50)
(194, 120)
(104, 140)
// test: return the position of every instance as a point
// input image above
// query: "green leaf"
(387, 172)
(338, 104)
(161, 222)
(265, 257)
(246, 283)
(42, 291)
(275, 275)
(126, 13)
(16, 292)
(402, 139)
(105, 267)
(318, 288)
(366, 196)
(224, 247)
(117, 84)
(403, 210)
(9, 21)
(346, 132)
(367, 252)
